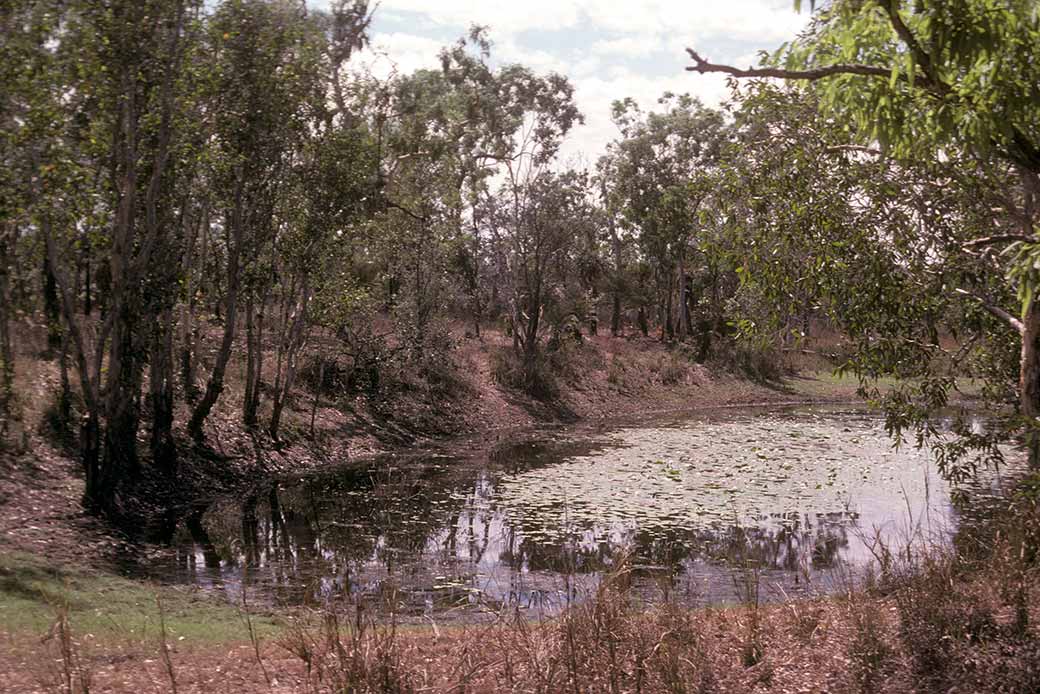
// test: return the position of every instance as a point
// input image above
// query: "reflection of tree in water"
(312, 537)
(431, 526)
(788, 542)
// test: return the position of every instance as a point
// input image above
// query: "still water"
(693, 505)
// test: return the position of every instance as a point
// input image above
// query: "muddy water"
(694, 506)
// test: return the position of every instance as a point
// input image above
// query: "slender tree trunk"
(65, 397)
(669, 325)
(317, 394)
(684, 326)
(90, 428)
(51, 310)
(295, 341)
(88, 303)
(530, 338)
(615, 244)
(90, 453)
(189, 332)
(251, 401)
(6, 345)
(160, 391)
(1029, 382)
(215, 385)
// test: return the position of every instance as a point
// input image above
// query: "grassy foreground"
(960, 618)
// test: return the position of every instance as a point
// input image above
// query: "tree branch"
(995, 239)
(703, 66)
(923, 60)
(853, 148)
(414, 215)
(993, 309)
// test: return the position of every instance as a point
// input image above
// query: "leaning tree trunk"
(215, 385)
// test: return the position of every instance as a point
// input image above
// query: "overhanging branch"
(993, 309)
(996, 239)
(703, 66)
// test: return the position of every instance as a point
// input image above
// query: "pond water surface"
(693, 503)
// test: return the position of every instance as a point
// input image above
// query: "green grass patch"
(113, 607)
(828, 384)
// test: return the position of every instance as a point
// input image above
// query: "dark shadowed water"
(695, 504)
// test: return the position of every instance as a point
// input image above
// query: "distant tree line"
(185, 183)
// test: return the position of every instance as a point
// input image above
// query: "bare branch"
(853, 148)
(414, 215)
(997, 238)
(703, 66)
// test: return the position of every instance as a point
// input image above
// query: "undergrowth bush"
(965, 616)
(536, 379)
(741, 357)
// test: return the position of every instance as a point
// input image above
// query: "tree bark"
(1029, 382)
(294, 342)
(160, 391)
(684, 326)
(317, 395)
(6, 349)
(189, 332)
(215, 384)
(251, 400)
(51, 309)
(615, 314)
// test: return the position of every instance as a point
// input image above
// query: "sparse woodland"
(207, 203)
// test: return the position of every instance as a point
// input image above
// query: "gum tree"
(947, 90)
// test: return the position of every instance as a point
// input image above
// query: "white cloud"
(626, 46)
(610, 50)
(400, 52)
(772, 20)
(596, 94)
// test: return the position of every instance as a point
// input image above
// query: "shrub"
(535, 379)
(673, 370)
(758, 363)
(869, 650)
(572, 361)
(617, 373)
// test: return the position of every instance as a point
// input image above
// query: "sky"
(608, 49)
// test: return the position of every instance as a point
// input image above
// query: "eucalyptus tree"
(266, 59)
(538, 112)
(333, 185)
(418, 132)
(447, 134)
(537, 225)
(950, 88)
(101, 135)
(663, 164)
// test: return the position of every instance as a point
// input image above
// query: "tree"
(120, 64)
(945, 90)
(266, 62)
(663, 170)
